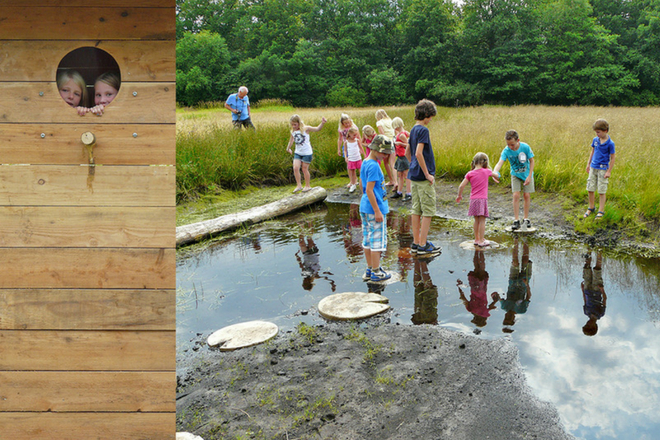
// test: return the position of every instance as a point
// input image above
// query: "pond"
(594, 355)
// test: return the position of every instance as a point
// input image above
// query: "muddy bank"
(376, 381)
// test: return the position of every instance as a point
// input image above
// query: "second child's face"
(347, 123)
(602, 135)
(351, 135)
(103, 93)
(513, 144)
(71, 93)
(295, 125)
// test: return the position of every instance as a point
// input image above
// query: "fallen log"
(191, 233)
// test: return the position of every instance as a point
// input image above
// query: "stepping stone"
(187, 436)
(243, 335)
(352, 305)
(521, 230)
(396, 277)
(469, 245)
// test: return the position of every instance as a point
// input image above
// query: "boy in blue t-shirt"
(521, 160)
(599, 167)
(374, 208)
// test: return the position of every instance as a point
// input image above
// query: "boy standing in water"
(422, 177)
(521, 160)
(374, 208)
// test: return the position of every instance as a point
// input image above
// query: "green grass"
(212, 158)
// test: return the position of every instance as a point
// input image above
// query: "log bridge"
(188, 234)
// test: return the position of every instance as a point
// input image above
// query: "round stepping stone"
(352, 305)
(245, 334)
(187, 436)
(396, 277)
(521, 230)
(469, 244)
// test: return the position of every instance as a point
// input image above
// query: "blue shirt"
(518, 159)
(371, 172)
(240, 104)
(419, 134)
(602, 152)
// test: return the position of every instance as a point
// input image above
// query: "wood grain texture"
(153, 103)
(87, 426)
(93, 309)
(61, 144)
(45, 185)
(87, 350)
(86, 391)
(58, 22)
(80, 268)
(67, 226)
(138, 61)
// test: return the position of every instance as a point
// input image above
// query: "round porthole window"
(88, 79)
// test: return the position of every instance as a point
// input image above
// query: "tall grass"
(211, 155)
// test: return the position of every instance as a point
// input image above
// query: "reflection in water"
(593, 293)
(352, 233)
(478, 302)
(309, 263)
(518, 294)
(426, 294)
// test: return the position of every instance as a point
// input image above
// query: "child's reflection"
(593, 293)
(352, 234)
(426, 294)
(518, 293)
(478, 281)
(309, 263)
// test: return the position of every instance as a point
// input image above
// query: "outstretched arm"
(461, 187)
(318, 127)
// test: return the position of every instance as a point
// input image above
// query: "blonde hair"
(298, 119)
(353, 129)
(368, 130)
(397, 123)
(480, 159)
(381, 114)
(64, 76)
(110, 78)
(342, 118)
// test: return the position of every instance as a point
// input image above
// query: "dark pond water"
(605, 386)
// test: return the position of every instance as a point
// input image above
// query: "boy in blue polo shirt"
(374, 208)
(521, 160)
(599, 167)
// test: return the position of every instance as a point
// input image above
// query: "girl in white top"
(302, 156)
(384, 124)
(354, 154)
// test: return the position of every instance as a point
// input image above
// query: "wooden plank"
(87, 227)
(90, 268)
(61, 144)
(138, 61)
(57, 23)
(86, 391)
(61, 185)
(54, 309)
(87, 426)
(106, 3)
(136, 103)
(87, 350)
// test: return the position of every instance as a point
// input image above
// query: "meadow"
(212, 157)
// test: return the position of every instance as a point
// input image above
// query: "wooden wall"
(87, 261)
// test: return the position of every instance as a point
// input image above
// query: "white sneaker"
(351, 188)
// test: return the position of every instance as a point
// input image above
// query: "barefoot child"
(374, 208)
(354, 154)
(521, 160)
(302, 156)
(478, 178)
(402, 165)
(599, 167)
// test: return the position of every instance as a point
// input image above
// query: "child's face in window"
(103, 93)
(71, 93)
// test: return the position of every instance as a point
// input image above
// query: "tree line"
(382, 52)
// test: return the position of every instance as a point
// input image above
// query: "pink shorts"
(478, 207)
(354, 165)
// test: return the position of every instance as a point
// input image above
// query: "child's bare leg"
(367, 256)
(516, 205)
(475, 228)
(425, 225)
(415, 221)
(481, 225)
(296, 172)
(400, 181)
(352, 176)
(305, 170)
(408, 186)
(375, 260)
(390, 160)
(592, 200)
(526, 201)
(601, 202)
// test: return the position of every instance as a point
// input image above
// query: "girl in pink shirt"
(478, 178)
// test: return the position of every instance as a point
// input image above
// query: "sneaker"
(380, 275)
(396, 195)
(351, 188)
(407, 197)
(429, 249)
(516, 225)
(414, 248)
(527, 223)
(367, 274)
